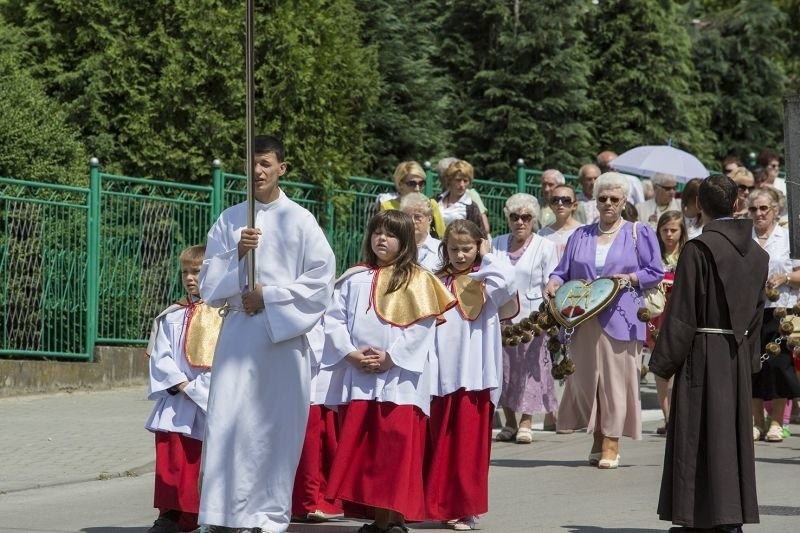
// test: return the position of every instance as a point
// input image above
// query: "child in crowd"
(319, 447)
(379, 331)
(181, 350)
(468, 370)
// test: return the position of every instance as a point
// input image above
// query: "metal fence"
(82, 266)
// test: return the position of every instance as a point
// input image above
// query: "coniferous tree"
(522, 70)
(737, 52)
(644, 86)
(409, 120)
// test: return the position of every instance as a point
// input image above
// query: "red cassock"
(457, 462)
(177, 472)
(319, 449)
(379, 459)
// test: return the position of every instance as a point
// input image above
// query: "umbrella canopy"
(649, 160)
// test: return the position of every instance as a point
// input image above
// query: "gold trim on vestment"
(469, 294)
(424, 296)
(203, 324)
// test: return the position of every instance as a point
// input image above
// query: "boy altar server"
(259, 398)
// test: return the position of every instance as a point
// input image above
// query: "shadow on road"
(595, 529)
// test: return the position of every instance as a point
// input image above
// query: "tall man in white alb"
(259, 397)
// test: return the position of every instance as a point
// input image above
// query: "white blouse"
(777, 246)
(533, 270)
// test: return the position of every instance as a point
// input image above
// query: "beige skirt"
(603, 393)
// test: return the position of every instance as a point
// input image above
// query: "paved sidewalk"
(54, 448)
(71, 437)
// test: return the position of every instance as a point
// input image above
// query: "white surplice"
(533, 271)
(183, 412)
(351, 324)
(259, 399)
(469, 354)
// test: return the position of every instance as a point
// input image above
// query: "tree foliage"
(354, 86)
(157, 87)
(522, 73)
(408, 121)
(37, 142)
(644, 85)
(737, 51)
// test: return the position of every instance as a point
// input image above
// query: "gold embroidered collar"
(423, 297)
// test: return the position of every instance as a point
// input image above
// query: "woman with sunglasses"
(776, 380)
(564, 205)
(528, 386)
(409, 177)
(603, 393)
(746, 183)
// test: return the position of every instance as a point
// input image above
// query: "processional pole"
(250, 134)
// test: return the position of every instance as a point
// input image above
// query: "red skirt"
(177, 471)
(457, 462)
(378, 461)
(319, 449)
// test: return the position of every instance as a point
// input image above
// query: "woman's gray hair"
(522, 200)
(772, 195)
(611, 180)
(416, 200)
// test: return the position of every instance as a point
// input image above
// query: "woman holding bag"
(603, 393)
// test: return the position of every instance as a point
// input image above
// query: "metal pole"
(249, 126)
(93, 259)
(791, 143)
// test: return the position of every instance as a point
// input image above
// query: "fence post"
(217, 193)
(429, 175)
(93, 258)
(521, 175)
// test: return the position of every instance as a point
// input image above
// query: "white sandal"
(524, 436)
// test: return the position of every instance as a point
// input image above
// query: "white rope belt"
(716, 330)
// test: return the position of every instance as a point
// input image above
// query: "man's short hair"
(264, 144)
(717, 195)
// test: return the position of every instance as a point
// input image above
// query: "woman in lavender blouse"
(603, 393)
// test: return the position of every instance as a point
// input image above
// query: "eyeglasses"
(613, 199)
(761, 208)
(415, 183)
(513, 217)
(419, 217)
(666, 188)
(555, 200)
(745, 188)
(730, 169)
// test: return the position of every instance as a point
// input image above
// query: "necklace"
(609, 232)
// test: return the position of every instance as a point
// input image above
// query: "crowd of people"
(373, 395)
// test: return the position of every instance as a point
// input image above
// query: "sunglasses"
(415, 183)
(666, 188)
(613, 199)
(565, 200)
(729, 170)
(761, 208)
(513, 217)
(745, 188)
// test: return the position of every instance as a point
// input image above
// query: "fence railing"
(82, 266)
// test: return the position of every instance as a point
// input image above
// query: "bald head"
(586, 176)
(604, 160)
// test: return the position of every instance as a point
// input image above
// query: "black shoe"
(164, 524)
(729, 528)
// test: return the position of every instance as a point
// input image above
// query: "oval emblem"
(578, 300)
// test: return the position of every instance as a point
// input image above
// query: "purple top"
(618, 320)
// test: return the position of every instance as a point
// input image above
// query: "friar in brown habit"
(710, 341)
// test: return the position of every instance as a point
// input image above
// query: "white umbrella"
(649, 160)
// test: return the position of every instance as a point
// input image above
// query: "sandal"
(775, 434)
(506, 434)
(524, 436)
(756, 434)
